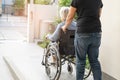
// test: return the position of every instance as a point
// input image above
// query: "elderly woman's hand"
(64, 28)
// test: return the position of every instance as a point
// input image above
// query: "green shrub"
(18, 4)
(87, 63)
(64, 2)
(57, 20)
(46, 2)
(44, 43)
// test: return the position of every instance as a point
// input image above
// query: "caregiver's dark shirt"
(88, 15)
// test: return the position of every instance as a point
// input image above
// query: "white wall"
(110, 46)
(40, 14)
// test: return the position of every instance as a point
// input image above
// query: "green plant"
(57, 20)
(87, 63)
(46, 2)
(44, 43)
(64, 2)
(19, 4)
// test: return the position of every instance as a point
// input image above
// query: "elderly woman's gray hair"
(64, 12)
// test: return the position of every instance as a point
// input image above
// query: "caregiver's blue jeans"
(87, 43)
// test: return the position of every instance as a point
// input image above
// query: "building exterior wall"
(110, 46)
(40, 18)
(44, 15)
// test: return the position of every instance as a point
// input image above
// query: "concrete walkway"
(10, 26)
(5, 74)
(24, 61)
(20, 60)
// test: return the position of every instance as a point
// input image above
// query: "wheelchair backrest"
(67, 42)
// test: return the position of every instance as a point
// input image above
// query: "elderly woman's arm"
(69, 18)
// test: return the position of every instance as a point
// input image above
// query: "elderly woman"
(63, 15)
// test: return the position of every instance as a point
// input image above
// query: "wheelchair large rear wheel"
(87, 73)
(53, 63)
(88, 70)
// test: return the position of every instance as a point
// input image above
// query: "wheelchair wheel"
(87, 73)
(53, 63)
(88, 70)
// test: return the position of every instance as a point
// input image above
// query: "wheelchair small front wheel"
(70, 68)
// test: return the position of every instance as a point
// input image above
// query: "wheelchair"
(58, 53)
